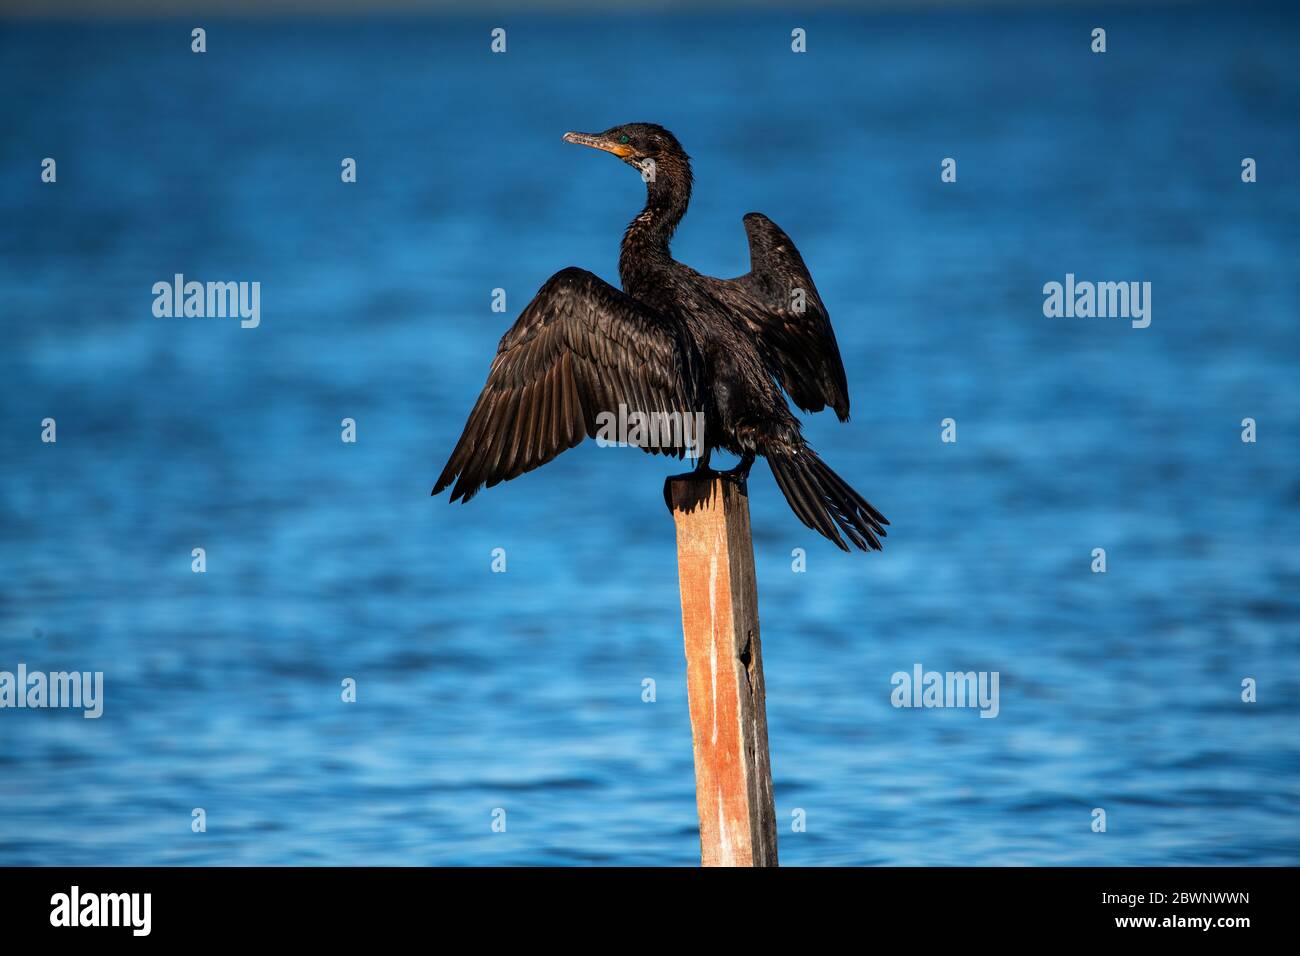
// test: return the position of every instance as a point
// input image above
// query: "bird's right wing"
(798, 341)
(580, 348)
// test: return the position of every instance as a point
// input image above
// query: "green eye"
(624, 138)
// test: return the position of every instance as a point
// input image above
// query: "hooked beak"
(621, 150)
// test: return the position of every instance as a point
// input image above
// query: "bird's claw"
(735, 476)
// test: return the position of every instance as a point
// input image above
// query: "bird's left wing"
(792, 326)
(580, 348)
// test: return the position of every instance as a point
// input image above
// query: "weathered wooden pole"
(724, 672)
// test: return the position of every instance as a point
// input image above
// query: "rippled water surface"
(523, 690)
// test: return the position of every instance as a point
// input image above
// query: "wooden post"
(724, 672)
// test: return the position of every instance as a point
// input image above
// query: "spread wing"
(799, 346)
(580, 348)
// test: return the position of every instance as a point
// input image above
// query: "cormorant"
(671, 341)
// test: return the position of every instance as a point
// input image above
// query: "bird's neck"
(645, 243)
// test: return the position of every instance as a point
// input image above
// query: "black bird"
(672, 341)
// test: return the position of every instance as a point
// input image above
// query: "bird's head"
(642, 145)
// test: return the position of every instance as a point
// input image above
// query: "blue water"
(522, 690)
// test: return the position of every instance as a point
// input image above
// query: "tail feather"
(824, 501)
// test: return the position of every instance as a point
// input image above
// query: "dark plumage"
(672, 340)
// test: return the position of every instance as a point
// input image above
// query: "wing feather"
(800, 347)
(580, 348)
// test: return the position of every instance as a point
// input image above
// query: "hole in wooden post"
(747, 658)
